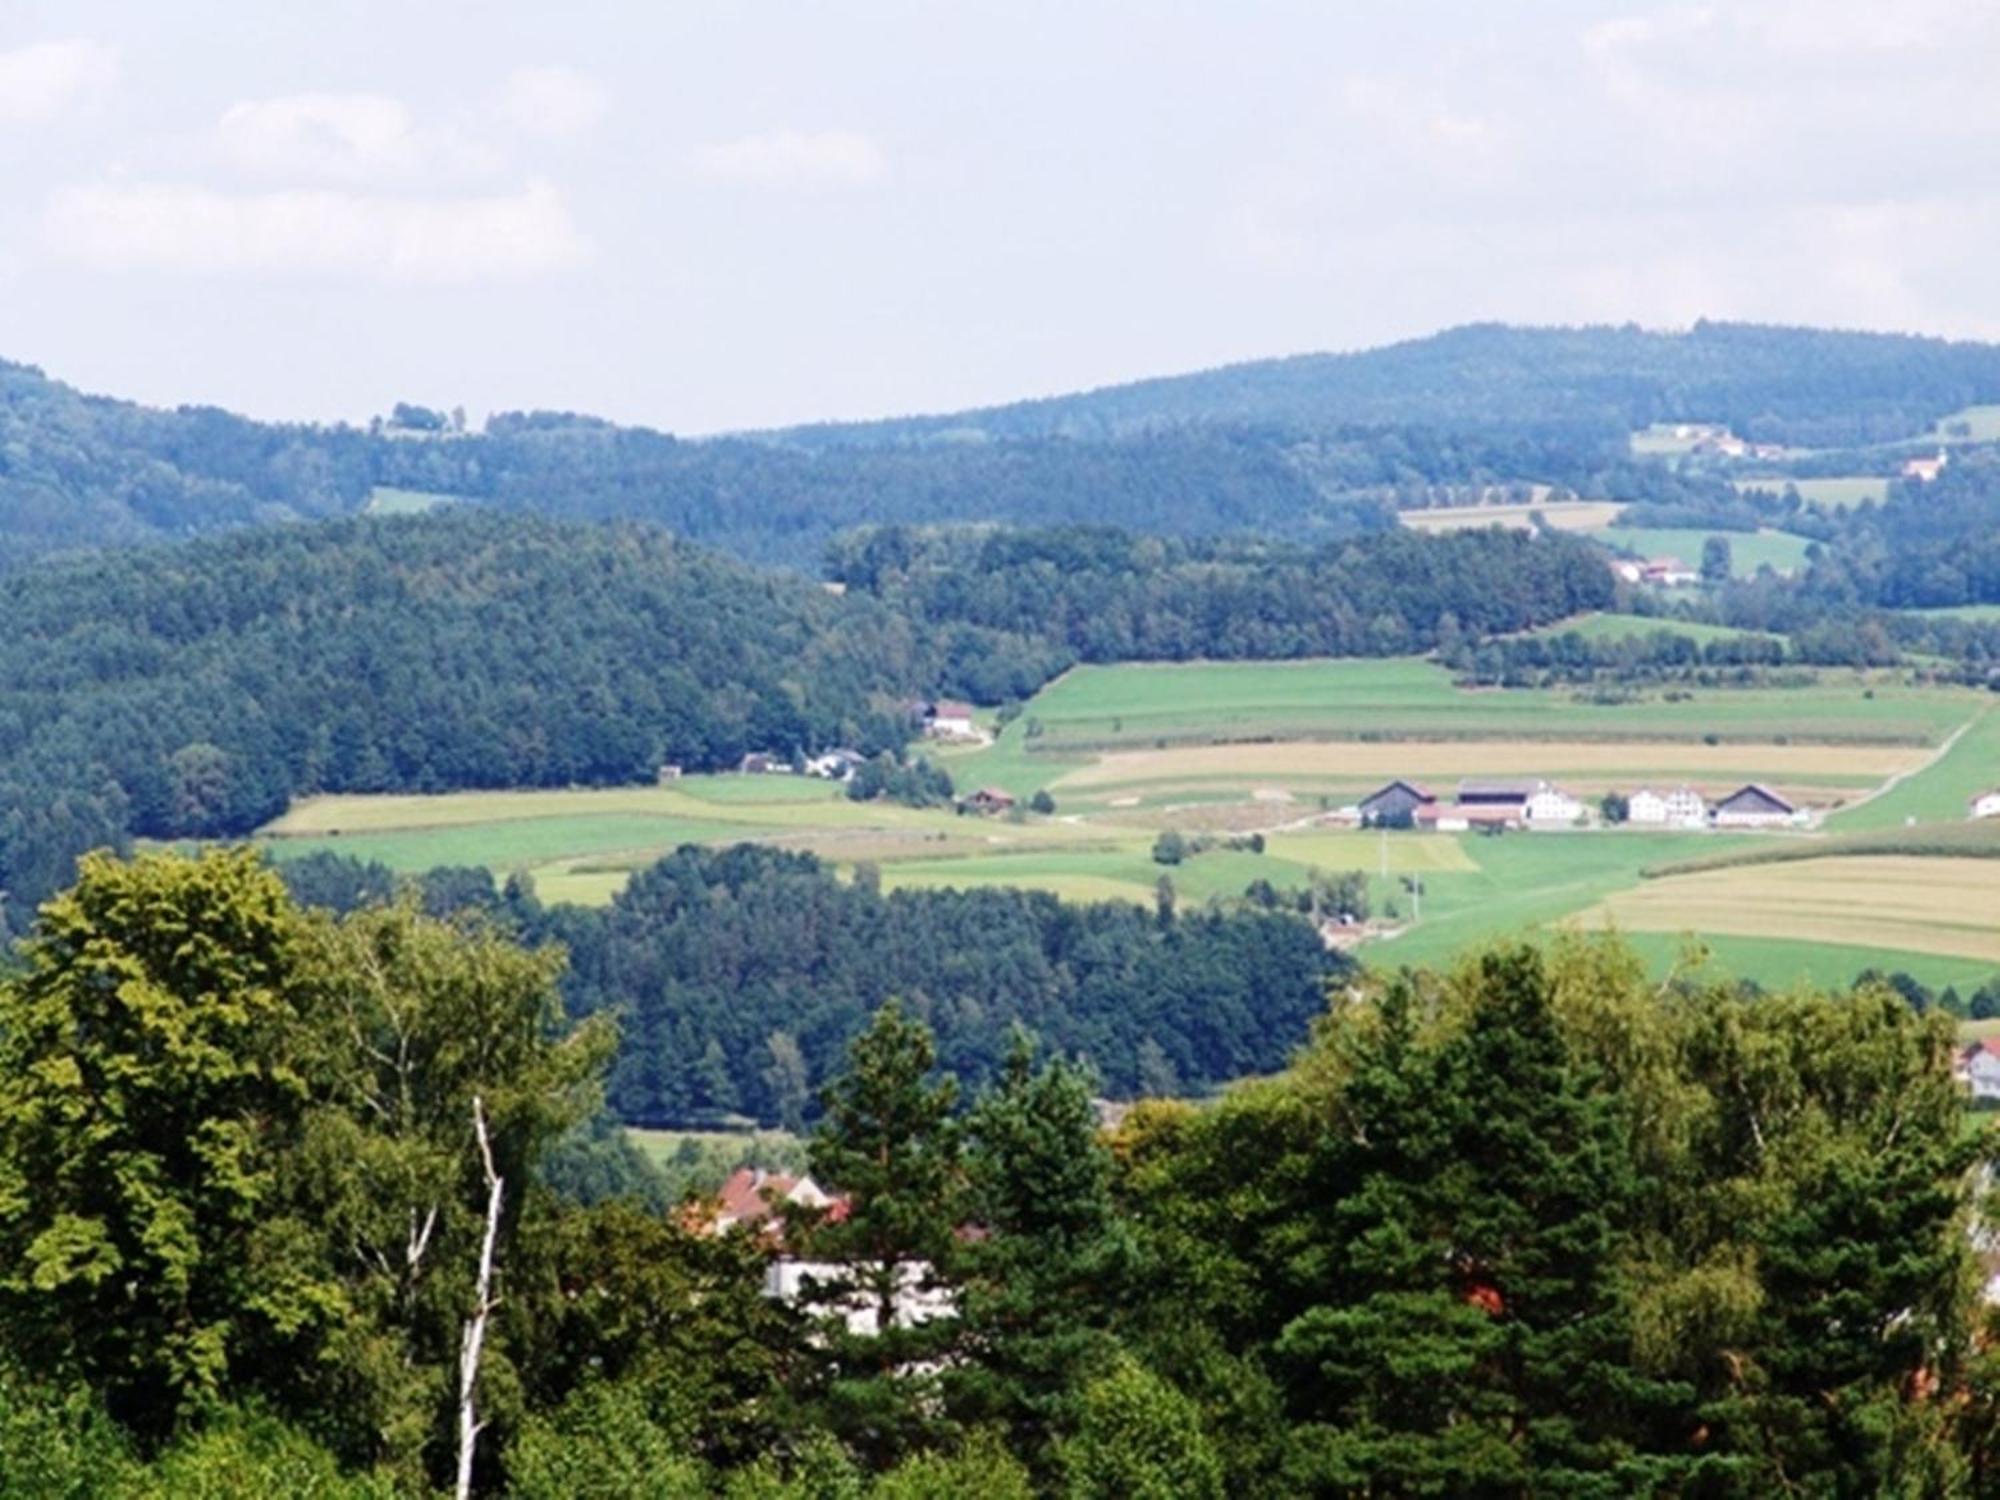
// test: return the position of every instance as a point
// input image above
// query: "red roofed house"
(755, 1197)
(949, 720)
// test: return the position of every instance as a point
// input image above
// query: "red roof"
(946, 708)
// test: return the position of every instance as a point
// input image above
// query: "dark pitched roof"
(1518, 790)
(1420, 793)
(1754, 798)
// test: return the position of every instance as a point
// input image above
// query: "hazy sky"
(745, 212)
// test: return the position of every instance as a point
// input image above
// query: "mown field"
(1837, 492)
(1748, 550)
(1224, 750)
(1561, 515)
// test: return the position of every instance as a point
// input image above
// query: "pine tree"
(889, 1143)
(1043, 1273)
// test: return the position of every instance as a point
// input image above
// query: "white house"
(1977, 1068)
(948, 720)
(917, 1300)
(1754, 806)
(1551, 807)
(1987, 804)
(1683, 807)
(1924, 470)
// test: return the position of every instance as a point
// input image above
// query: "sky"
(709, 216)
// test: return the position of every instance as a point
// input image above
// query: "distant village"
(1535, 803)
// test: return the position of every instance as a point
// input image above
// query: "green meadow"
(1219, 751)
(1836, 492)
(1748, 550)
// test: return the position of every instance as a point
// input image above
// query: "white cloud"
(553, 101)
(792, 158)
(192, 229)
(342, 137)
(39, 82)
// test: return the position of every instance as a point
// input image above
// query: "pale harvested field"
(1943, 906)
(1562, 515)
(1853, 765)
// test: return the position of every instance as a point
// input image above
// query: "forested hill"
(1806, 386)
(193, 690)
(1313, 448)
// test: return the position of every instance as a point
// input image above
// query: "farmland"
(1748, 551)
(1223, 751)
(1836, 492)
(1562, 515)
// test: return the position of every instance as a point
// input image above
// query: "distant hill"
(1314, 447)
(1799, 385)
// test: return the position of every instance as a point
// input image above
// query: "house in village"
(1683, 807)
(1977, 1068)
(1551, 807)
(756, 1199)
(948, 719)
(1754, 806)
(1924, 470)
(835, 765)
(1629, 569)
(1668, 572)
(1987, 804)
(986, 801)
(1393, 806)
(764, 763)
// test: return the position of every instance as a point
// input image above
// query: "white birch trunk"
(469, 1425)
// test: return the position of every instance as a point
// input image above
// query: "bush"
(1170, 848)
(1139, 1439)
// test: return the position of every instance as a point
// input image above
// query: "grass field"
(1983, 420)
(1979, 614)
(1226, 748)
(1940, 906)
(387, 500)
(1599, 626)
(1560, 515)
(1748, 550)
(1836, 492)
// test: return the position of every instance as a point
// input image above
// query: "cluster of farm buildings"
(1535, 803)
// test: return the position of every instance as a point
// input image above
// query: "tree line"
(1535, 1225)
(739, 976)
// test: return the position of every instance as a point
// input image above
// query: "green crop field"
(386, 500)
(1748, 550)
(1218, 751)
(1837, 492)
(1978, 614)
(1599, 626)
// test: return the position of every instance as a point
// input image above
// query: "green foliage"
(602, 1443)
(890, 1141)
(1038, 1282)
(779, 963)
(1139, 1439)
(982, 1466)
(151, 1090)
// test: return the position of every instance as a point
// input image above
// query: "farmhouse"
(1551, 807)
(1753, 806)
(764, 763)
(947, 719)
(1977, 1068)
(1682, 807)
(1924, 470)
(1987, 804)
(835, 765)
(1394, 806)
(988, 799)
(1669, 572)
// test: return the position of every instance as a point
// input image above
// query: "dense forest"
(193, 690)
(1804, 386)
(1312, 448)
(738, 977)
(1538, 1226)
(1104, 595)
